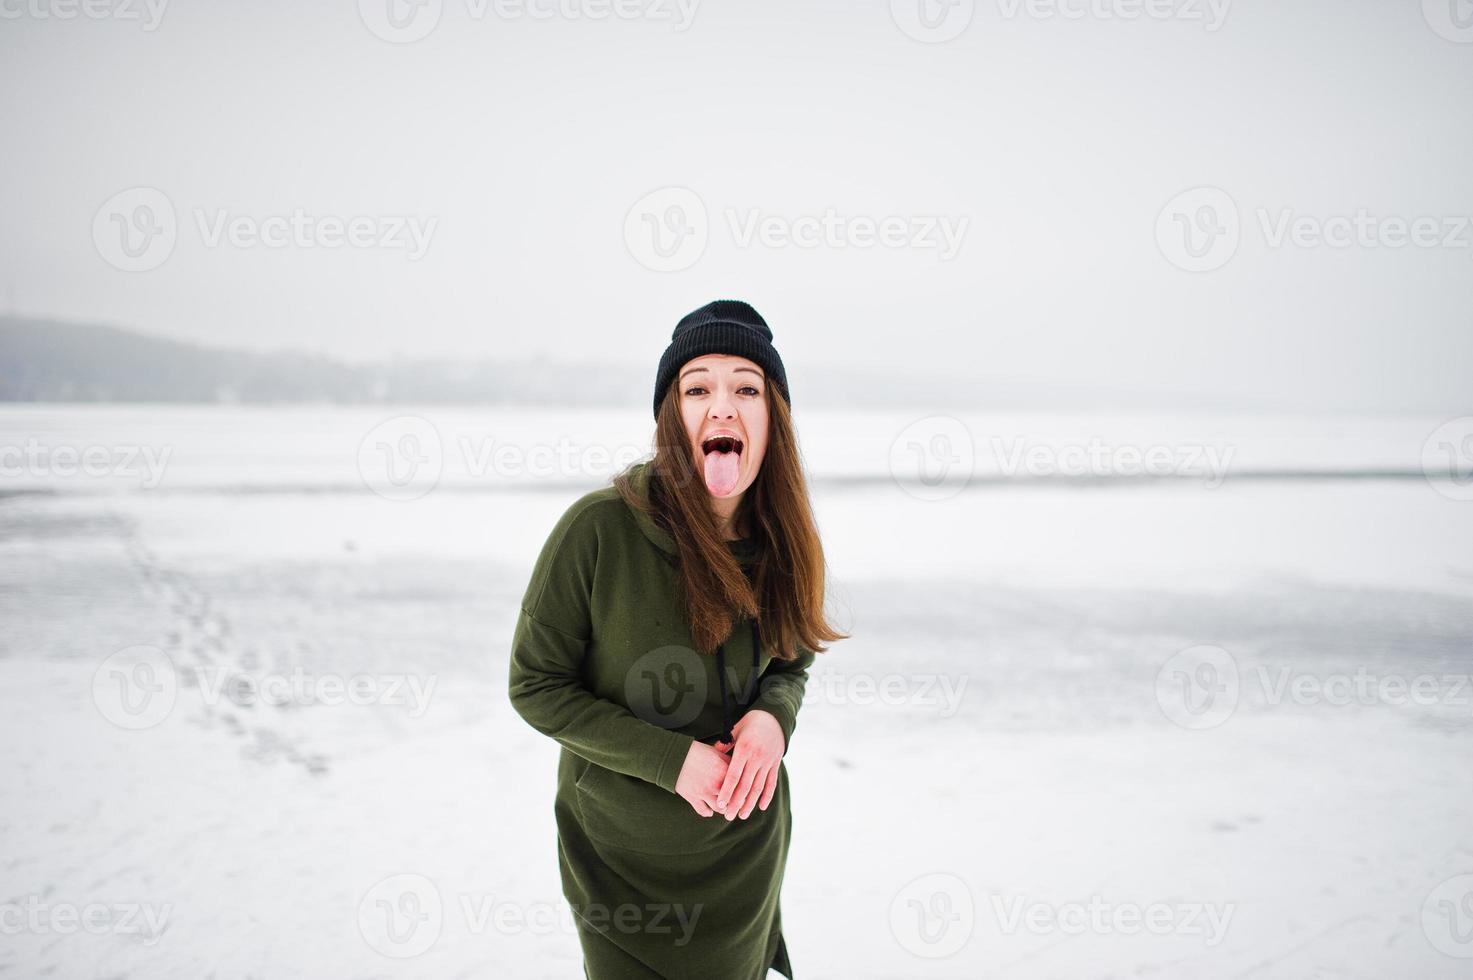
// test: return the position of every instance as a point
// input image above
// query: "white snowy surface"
(1020, 759)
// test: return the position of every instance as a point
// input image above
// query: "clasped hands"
(712, 781)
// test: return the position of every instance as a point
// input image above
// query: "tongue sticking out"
(721, 472)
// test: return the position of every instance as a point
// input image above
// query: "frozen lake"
(1175, 697)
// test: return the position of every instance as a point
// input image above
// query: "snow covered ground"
(1085, 727)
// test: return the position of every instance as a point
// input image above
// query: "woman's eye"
(744, 389)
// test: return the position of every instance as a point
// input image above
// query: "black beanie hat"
(727, 326)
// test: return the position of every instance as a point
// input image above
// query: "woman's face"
(723, 402)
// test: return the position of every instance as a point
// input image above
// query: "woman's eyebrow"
(695, 370)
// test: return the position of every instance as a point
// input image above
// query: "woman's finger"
(740, 800)
(752, 789)
(770, 788)
(729, 784)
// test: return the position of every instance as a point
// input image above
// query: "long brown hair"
(786, 591)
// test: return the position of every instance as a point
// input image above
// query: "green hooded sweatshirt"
(603, 661)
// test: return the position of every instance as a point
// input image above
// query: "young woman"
(664, 641)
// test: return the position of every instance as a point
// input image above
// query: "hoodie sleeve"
(548, 647)
(782, 687)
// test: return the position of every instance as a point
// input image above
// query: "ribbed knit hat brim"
(726, 326)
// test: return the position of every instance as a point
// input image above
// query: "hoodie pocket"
(629, 813)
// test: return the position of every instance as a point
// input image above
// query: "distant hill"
(58, 361)
(50, 360)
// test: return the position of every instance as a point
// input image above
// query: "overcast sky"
(503, 176)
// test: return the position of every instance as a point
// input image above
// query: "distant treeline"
(58, 361)
(48, 360)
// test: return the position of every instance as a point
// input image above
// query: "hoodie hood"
(640, 475)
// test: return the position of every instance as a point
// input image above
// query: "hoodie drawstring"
(726, 735)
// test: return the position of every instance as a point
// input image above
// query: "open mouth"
(723, 453)
(721, 444)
